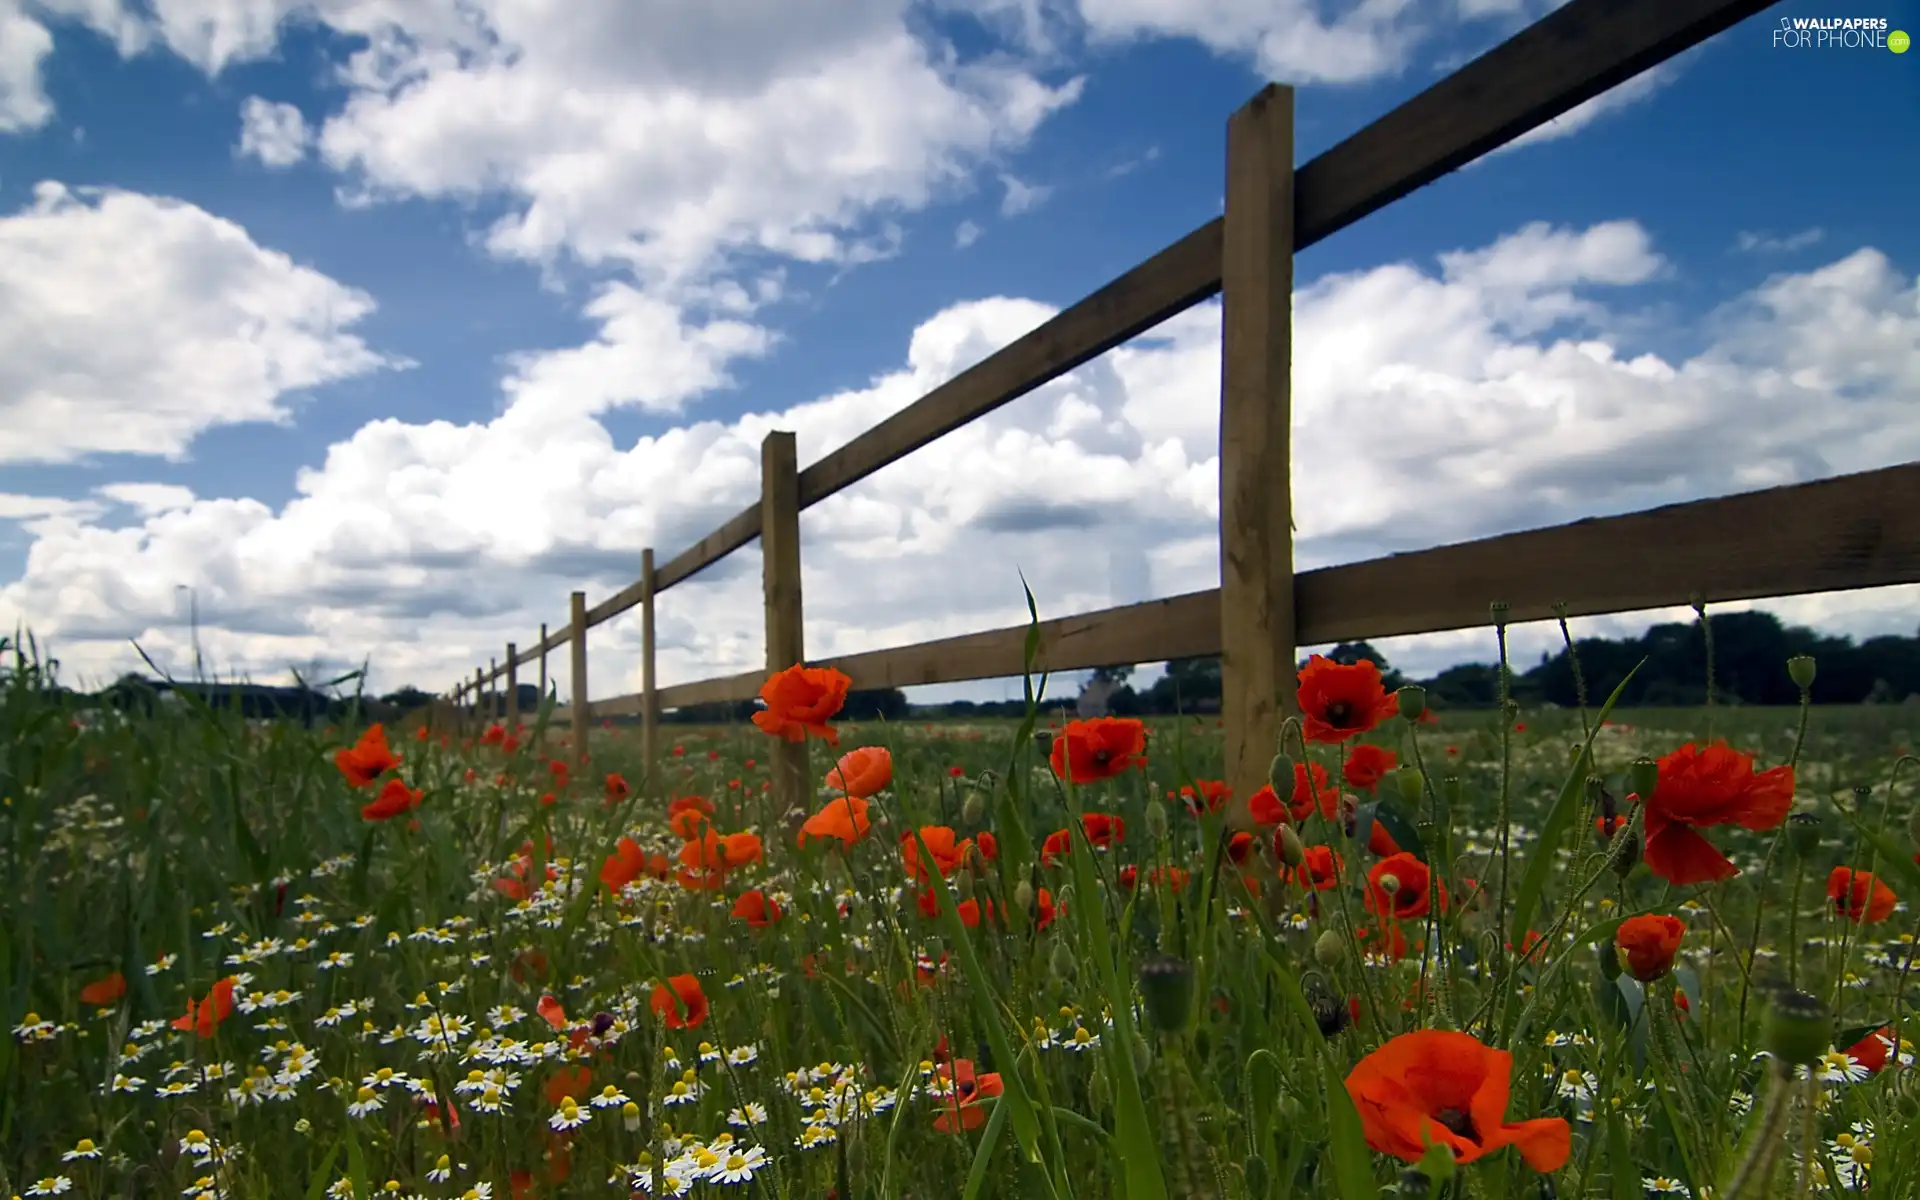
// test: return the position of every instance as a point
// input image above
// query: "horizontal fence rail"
(1852, 532)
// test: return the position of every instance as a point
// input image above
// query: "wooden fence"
(1850, 532)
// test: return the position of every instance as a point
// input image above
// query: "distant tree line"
(1750, 651)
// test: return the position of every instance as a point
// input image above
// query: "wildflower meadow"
(1511, 953)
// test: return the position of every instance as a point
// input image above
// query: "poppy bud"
(1800, 670)
(1329, 949)
(1064, 963)
(1412, 699)
(1166, 985)
(1142, 1054)
(973, 808)
(1907, 1104)
(857, 1157)
(1157, 825)
(1626, 854)
(1331, 1014)
(1287, 846)
(1023, 896)
(1803, 833)
(1411, 783)
(1280, 774)
(963, 886)
(1645, 774)
(1913, 827)
(1259, 1176)
(1798, 1029)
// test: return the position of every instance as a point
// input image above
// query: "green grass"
(186, 846)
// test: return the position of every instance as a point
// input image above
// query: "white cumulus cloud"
(130, 323)
(1495, 389)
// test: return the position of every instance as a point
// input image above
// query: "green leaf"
(1026, 1123)
(1137, 1144)
(1399, 828)
(1889, 858)
(323, 1178)
(983, 1153)
(1543, 858)
(1352, 1163)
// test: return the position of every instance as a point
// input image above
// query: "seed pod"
(1645, 774)
(1166, 985)
(1800, 669)
(1411, 784)
(1023, 896)
(1329, 949)
(1412, 699)
(1157, 823)
(1064, 964)
(1803, 833)
(1798, 1029)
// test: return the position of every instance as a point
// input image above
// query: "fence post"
(493, 690)
(780, 576)
(1257, 681)
(479, 701)
(513, 687)
(649, 698)
(579, 705)
(543, 682)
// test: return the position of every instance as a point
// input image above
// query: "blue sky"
(1744, 164)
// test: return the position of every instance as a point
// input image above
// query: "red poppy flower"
(617, 789)
(1700, 788)
(680, 1002)
(960, 1106)
(1310, 792)
(1097, 749)
(1380, 841)
(1436, 1087)
(800, 701)
(1409, 899)
(1338, 702)
(844, 818)
(1264, 807)
(1874, 1050)
(1213, 792)
(1367, 764)
(1860, 896)
(395, 798)
(105, 991)
(756, 909)
(367, 759)
(948, 851)
(205, 1017)
(863, 772)
(1318, 871)
(1649, 943)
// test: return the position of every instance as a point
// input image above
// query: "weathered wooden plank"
(1256, 415)
(1854, 531)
